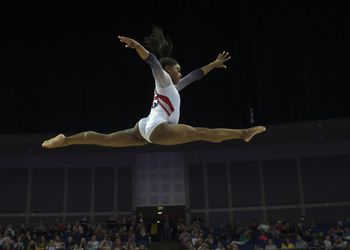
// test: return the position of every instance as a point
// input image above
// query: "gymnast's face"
(174, 72)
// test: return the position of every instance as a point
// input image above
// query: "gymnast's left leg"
(125, 138)
(172, 134)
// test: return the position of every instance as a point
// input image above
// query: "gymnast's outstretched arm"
(195, 75)
(162, 79)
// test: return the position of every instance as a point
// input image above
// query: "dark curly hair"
(161, 46)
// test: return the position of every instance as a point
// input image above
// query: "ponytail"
(158, 44)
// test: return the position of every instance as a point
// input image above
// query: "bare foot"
(253, 131)
(55, 142)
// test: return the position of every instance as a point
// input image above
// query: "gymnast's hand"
(221, 59)
(132, 44)
(129, 42)
(217, 63)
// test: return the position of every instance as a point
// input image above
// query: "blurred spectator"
(9, 231)
(93, 244)
(59, 244)
(270, 245)
(245, 237)
(51, 245)
(31, 245)
(70, 244)
(19, 244)
(219, 246)
(300, 243)
(264, 226)
(340, 244)
(328, 243)
(287, 244)
(167, 228)
(42, 243)
(263, 237)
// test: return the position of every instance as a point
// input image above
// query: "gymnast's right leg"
(125, 138)
(173, 134)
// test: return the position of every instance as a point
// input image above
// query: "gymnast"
(161, 125)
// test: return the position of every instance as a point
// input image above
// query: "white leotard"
(166, 101)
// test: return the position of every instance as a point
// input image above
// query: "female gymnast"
(161, 125)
